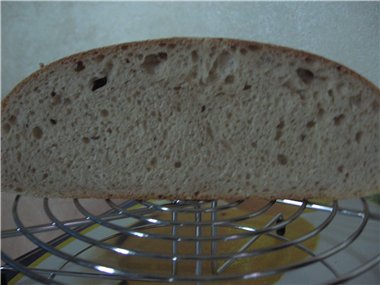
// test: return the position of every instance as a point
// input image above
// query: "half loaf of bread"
(190, 118)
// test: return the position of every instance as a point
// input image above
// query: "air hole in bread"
(177, 164)
(310, 124)
(85, 140)
(98, 83)
(278, 135)
(203, 108)
(340, 168)
(305, 75)
(302, 137)
(151, 62)
(243, 51)
(282, 159)
(153, 162)
(79, 66)
(358, 136)
(254, 144)
(247, 86)
(99, 58)
(12, 120)
(320, 110)
(233, 47)
(223, 60)
(104, 113)
(53, 93)
(53, 122)
(163, 55)
(6, 128)
(281, 125)
(56, 99)
(338, 119)
(330, 92)
(375, 105)
(229, 79)
(194, 56)
(308, 59)
(37, 133)
(45, 176)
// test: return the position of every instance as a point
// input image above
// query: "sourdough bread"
(192, 118)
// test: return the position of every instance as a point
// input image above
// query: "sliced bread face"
(192, 119)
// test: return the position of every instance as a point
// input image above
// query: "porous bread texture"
(192, 119)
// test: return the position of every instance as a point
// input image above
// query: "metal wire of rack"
(205, 227)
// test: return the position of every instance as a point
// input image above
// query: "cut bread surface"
(190, 118)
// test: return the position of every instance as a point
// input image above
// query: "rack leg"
(198, 245)
(214, 204)
(174, 243)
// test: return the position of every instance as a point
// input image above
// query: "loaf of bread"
(190, 118)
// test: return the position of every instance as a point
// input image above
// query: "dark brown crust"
(185, 41)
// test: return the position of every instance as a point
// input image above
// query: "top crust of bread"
(178, 41)
(16, 175)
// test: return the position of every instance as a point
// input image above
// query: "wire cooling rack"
(196, 242)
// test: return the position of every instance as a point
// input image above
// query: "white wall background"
(40, 32)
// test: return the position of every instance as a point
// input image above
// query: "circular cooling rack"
(201, 242)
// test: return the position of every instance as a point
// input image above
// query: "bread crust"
(181, 40)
